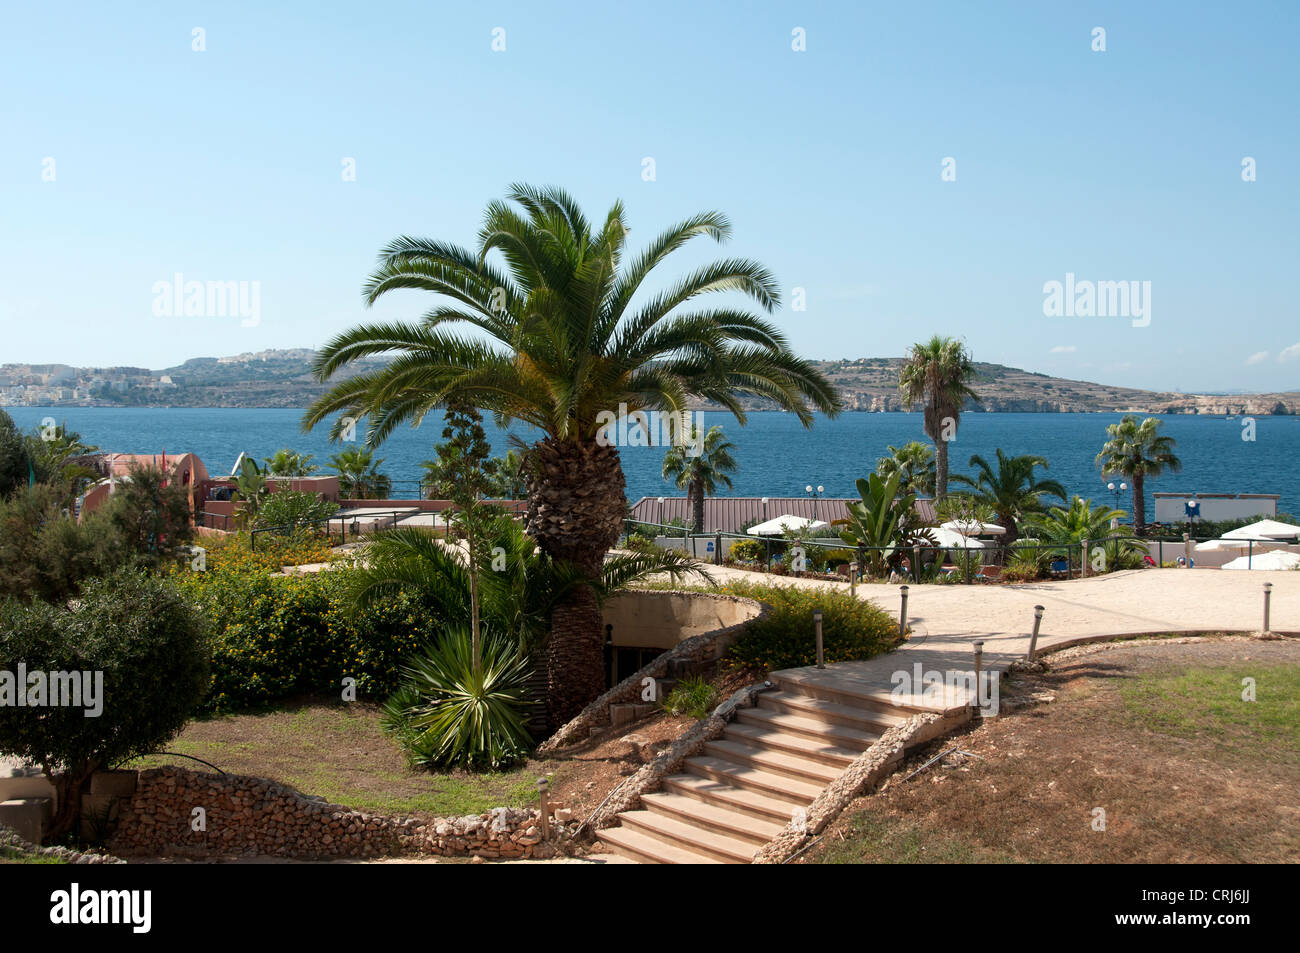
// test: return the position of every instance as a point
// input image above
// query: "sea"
(777, 455)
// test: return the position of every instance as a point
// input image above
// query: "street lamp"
(814, 494)
(1114, 522)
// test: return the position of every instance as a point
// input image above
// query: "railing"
(971, 563)
(375, 522)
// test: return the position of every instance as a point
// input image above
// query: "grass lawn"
(1155, 734)
(337, 751)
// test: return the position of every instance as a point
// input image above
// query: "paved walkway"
(947, 619)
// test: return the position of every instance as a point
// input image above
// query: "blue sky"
(225, 165)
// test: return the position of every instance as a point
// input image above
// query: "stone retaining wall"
(255, 816)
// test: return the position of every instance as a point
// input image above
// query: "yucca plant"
(452, 712)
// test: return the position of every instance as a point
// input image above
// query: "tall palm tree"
(1136, 451)
(557, 344)
(938, 373)
(700, 474)
(1012, 491)
(914, 463)
(359, 476)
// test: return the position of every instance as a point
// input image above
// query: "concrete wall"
(659, 619)
(1169, 507)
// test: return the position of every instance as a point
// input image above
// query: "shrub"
(748, 551)
(1026, 562)
(47, 554)
(784, 638)
(152, 516)
(279, 636)
(293, 510)
(691, 696)
(451, 713)
(15, 463)
(151, 647)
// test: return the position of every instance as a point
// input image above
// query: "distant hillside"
(283, 379)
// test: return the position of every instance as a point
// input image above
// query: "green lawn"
(338, 752)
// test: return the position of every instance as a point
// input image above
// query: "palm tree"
(939, 373)
(558, 345)
(359, 476)
(700, 474)
(1082, 522)
(290, 463)
(1012, 491)
(250, 489)
(1136, 451)
(914, 462)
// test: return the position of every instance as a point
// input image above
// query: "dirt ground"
(1155, 733)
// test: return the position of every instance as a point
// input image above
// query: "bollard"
(1187, 551)
(902, 615)
(717, 549)
(853, 581)
(1083, 566)
(979, 666)
(1268, 594)
(544, 807)
(817, 621)
(1033, 640)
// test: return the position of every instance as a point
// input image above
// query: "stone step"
(769, 759)
(842, 736)
(721, 820)
(782, 786)
(812, 748)
(805, 706)
(692, 837)
(760, 806)
(29, 817)
(645, 849)
(845, 691)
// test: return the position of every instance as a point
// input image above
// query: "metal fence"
(968, 564)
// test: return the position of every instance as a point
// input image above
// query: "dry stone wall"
(245, 815)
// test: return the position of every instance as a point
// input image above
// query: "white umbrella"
(973, 528)
(778, 526)
(1219, 545)
(950, 539)
(1264, 529)
(1274, 559)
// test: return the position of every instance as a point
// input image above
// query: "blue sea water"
(777, 455)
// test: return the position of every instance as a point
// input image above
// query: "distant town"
(282, 378)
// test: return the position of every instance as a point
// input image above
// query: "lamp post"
(814, 493)
(1114, 523)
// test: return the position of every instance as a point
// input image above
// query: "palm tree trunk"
(697, 495)
(1139, 505)
(575, 512)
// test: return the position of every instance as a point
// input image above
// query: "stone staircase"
(743, 788)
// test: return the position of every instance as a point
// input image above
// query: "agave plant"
(454, 710)
(883, 521)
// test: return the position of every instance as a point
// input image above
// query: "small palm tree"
(1012, 491)
(914, 463)
(563, 335)
(290, 463)
(359, 476)
(939, 373)
(700, 473)
(1081, 522)
(250, 489)
(1136, 451)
